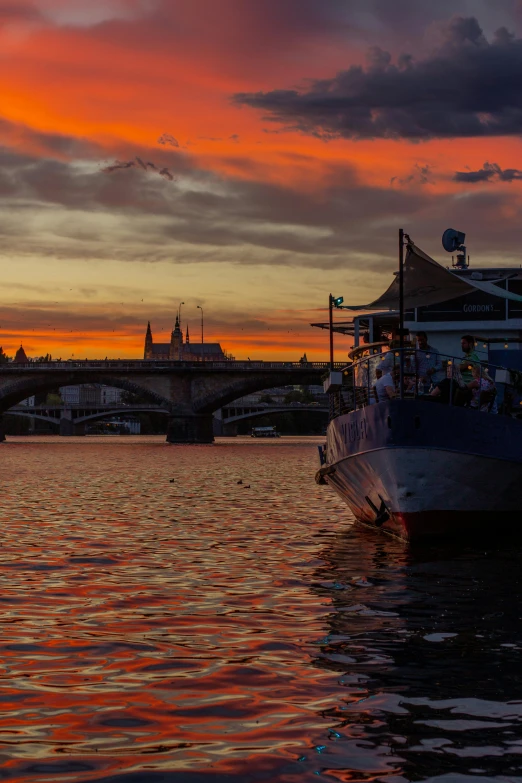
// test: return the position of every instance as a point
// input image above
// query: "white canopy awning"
(426, 283)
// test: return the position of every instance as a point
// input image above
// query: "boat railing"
(431, 376)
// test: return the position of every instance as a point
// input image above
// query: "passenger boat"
(264, 432)
(410, 465)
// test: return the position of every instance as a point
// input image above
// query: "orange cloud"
(84, 87)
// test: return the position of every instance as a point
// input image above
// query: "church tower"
(148, 343)
(20, 356)
(176, 342)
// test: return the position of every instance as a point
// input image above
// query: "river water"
(161, 621)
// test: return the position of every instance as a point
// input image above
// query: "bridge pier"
(217, 425)
(194, 428)
(66, 427)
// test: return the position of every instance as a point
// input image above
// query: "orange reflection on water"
(156, 624)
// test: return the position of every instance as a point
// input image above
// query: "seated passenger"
(483, 390)
(453, 384)
(384, 387)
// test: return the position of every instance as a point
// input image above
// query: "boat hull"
(417, 469)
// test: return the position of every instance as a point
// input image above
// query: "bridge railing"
(87, 406)
(151, 365)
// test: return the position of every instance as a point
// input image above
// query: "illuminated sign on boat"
(472, 307)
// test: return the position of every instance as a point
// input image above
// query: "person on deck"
(483, 390)
(427, 361)
(385, 387)
(469, 359)
(451, 389)
(390, 360)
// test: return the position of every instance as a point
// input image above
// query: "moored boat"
(417, 469)
(264, 432)
(426, 458)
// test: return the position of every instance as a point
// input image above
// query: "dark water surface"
(161, 622)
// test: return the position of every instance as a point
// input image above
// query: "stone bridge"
(190, 391)
(71, 419)
(226, 419)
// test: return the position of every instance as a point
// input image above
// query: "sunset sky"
(273, 149)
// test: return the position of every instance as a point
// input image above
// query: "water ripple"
(195, 630)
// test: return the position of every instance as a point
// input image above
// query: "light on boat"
(485, 345)
(450, 363)
(506, 345)
(396, 354)
(427, 356)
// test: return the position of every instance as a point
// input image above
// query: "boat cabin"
(495, 322)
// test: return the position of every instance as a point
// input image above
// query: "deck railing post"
(330, 319)
(401, 311)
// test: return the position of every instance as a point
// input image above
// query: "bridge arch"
(224, 389)
(98, 415)
(22, 388)
(273, 412)
(131, 409)
(39, 416)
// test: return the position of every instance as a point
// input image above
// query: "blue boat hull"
(416, 468)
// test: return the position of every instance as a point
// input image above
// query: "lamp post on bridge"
(333, 301)
(181, 338)
(200, 308)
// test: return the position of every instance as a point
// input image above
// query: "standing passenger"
(427, 361)
(470, 357)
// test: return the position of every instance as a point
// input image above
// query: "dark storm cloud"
(210, 218)
(168, 139)
(201, 217)
(482, 175)
(488, 172)
(138, 163)
(468, 87)
(416, 21)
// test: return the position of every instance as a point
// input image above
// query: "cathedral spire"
(148, 343)
(21, 357)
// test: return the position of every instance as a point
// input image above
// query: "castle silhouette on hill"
(182, 350)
